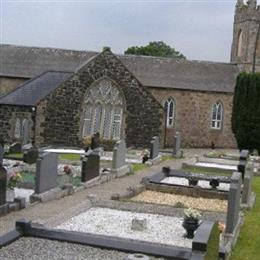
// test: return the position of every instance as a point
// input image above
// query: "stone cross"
(233, 202)
(90, 166)
(247, 187)
(3, 185)
(119, 153)
(46, 172)
(176, 150)
(155, 144)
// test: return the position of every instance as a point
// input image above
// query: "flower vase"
(10, 195)
(190, 226)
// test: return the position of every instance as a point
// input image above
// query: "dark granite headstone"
(46, 172)
(3, 185)
(90, 166)
(155, 144)
(30, 156)
(241, 167)
(15, 148)
(1, 154)
(95, 141)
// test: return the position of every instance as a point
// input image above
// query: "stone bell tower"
(246, 36)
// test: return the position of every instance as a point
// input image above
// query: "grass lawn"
(248, 244)
(69, 157)
(14, 155)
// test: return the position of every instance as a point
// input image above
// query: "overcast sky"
(201, 29)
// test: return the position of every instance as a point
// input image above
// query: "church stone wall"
(8, 84)
(59, 116)
(193, 118)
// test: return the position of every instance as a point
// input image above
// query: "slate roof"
(27, 62)
(32, 91)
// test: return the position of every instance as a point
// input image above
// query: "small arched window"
(169, 108)
(217, 116)
(17, 129)
(240, 43)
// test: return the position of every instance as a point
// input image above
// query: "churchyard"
(190, 206)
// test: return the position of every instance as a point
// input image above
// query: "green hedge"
(246, 111)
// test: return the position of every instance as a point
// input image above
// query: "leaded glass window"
(217, 115)
(103, 111)
(169, 108)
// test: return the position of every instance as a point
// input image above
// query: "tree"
(246, 111)
(159, 48)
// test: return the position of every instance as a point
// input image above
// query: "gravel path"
(43, 249)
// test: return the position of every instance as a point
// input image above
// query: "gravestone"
(1, 154)
(90, 166)
(176, 150)
(155, 144)
(15, 148)
(119, 153)
(244, 155)
(233, 202)
(95, 141)
(3, 187)
(241, 167)
(247, 184)
(46, 172)
(30, 156)
(25, 132)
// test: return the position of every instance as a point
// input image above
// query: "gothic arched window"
(103, 111)
(169, 108)
(217, 116)
(17, 129)
(240, 43)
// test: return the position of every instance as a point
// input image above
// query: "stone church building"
(61, 97)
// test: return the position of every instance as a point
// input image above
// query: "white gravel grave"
(112, 222)
(216, 165)
(203, 184)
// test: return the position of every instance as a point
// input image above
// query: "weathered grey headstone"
(176, 150)
(46, 172)
(233, 202)
(3, 185)
(119, 153)
(247, 184)
(1, 154)
(155, 145)
(90, 166)
(95, 141)
(244, 155)
(25, 132)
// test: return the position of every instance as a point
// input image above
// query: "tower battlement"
(246, 35)
(249, 10)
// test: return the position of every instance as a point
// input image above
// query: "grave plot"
(152, 228)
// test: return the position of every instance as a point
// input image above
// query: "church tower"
(246, 36)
